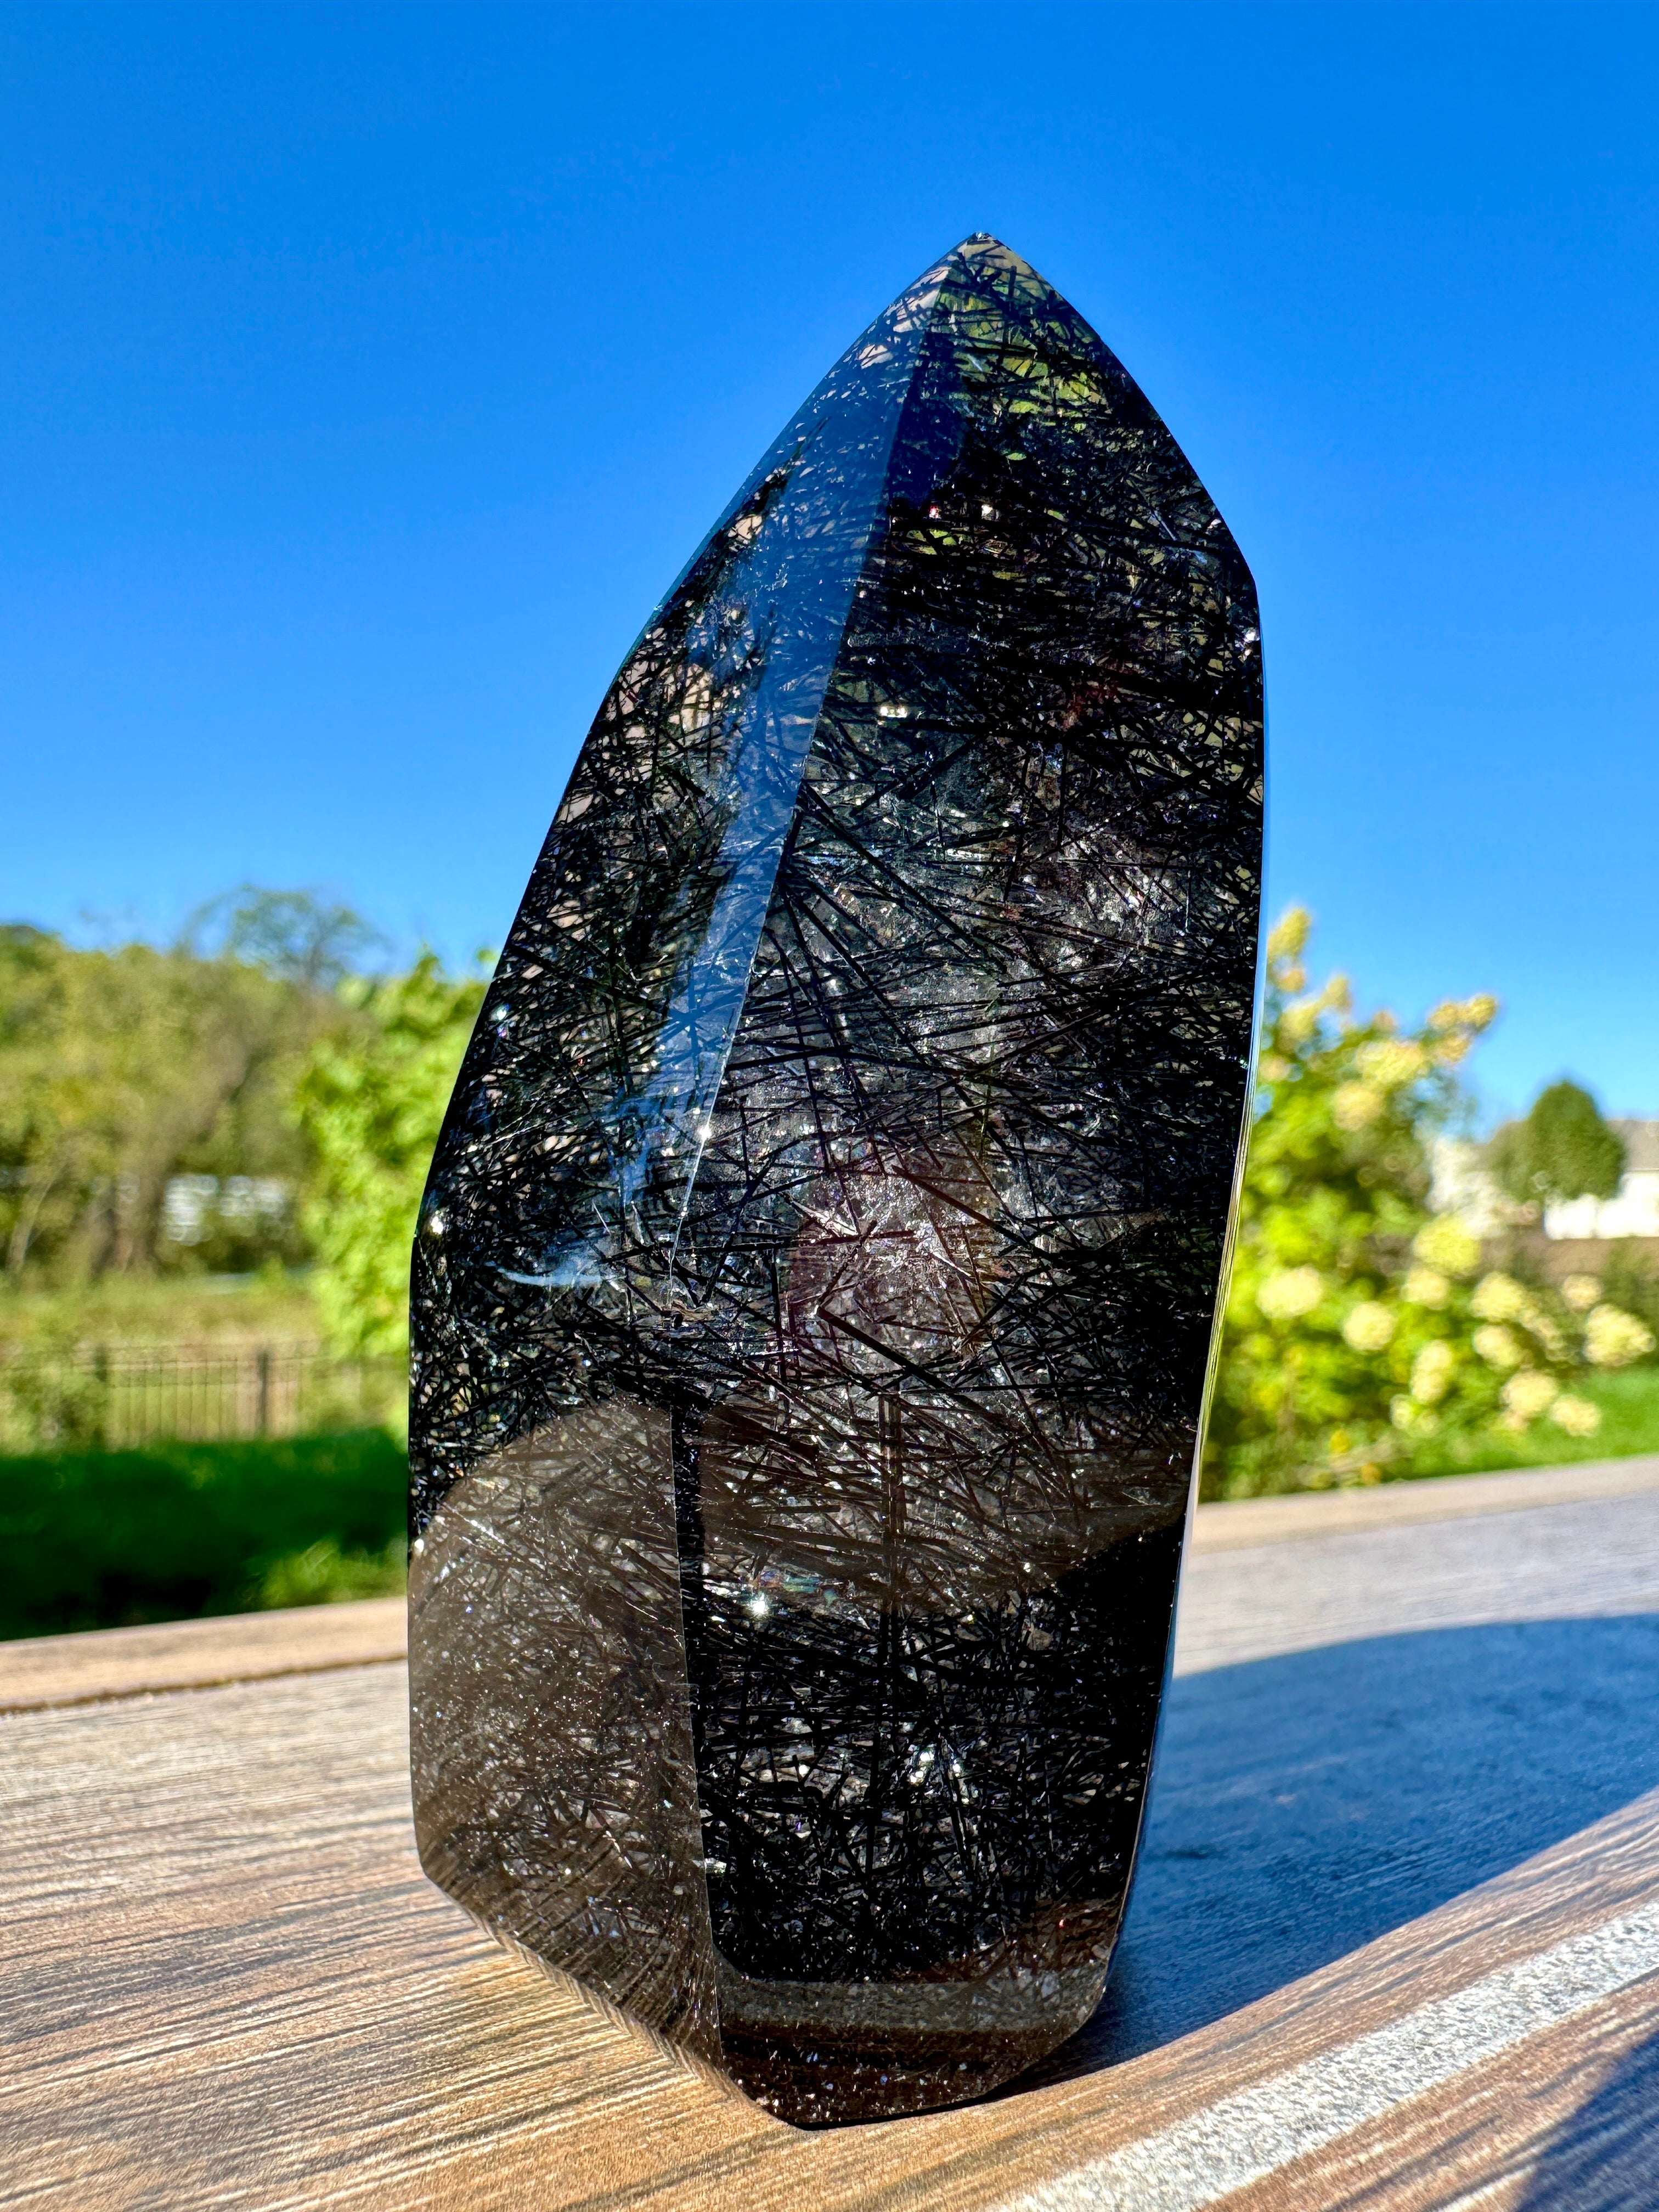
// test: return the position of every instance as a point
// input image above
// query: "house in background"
(1633, 1209)
(1461, 1185)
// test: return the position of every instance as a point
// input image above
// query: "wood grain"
(1236, 1523)
(1564, 2122)
(223, 1980)
(195, 1655)
(189, 1655)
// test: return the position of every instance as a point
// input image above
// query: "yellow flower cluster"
(1384, 1065)
(1477, 1013)
(1435, 1338)
(1498, 1346)
(1529, 1393)
(1432, 1373)
(1613, 1338)
(1389, 1061)
(1526, 1395)
(1290, 1292)
(1498, 1297)
(1447, 1244)
(1454, 1023)
(1357, 1105)
(1296, 1027)
(1369, 1327)
(1288, 936)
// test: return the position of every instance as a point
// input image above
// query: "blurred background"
(372, 371)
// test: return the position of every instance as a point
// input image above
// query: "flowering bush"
(1359, 1326)
(372, 1102)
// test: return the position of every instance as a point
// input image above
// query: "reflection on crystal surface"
(815, 1279)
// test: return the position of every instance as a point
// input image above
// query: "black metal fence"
(114, 1396)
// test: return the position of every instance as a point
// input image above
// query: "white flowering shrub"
(1613, 1339)
(1363, 1334)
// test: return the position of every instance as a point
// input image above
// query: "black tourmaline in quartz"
(814, 1290)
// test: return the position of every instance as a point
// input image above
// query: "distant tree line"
(217, 1067)
(1365, 1332)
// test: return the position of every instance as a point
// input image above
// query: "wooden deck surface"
(1395, 1942)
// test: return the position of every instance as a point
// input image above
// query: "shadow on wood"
(1600, 2158)
(1304, 1805)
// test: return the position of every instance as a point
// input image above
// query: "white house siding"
(1461, 1185)
(1633, 1209)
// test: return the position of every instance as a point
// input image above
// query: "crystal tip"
(983, 242)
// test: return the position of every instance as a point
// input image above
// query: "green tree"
(371, 1102)
(1360, 1328)
(122, 1067)
(298, 936)
(1562, 1149)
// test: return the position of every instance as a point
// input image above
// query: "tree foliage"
(299, 936)
(1561, 1149)
(1363, 1333)
(371, 1102)
(123, 1068)
(1362, 1329)
(248, 1050)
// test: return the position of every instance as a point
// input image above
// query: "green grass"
(104, 1540)
(1630, 1424)
(181, 1309)
(1629, 1404)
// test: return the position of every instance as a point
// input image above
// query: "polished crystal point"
(815, 1286)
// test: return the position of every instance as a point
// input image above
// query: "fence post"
(100, 1376)
(263, 1417)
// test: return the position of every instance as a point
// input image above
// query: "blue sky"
(370, 371)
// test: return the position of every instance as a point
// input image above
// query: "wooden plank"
(1234, 1523)
(193, 1655)
(1366, 2059)
(1585, 1556)
(223, 1979)
(1562, 2122)
(59, 1670)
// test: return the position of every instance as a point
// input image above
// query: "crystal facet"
(815, 1286)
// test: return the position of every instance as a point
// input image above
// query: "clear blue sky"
(370, 371)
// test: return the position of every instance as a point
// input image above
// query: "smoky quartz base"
(561, 1780)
